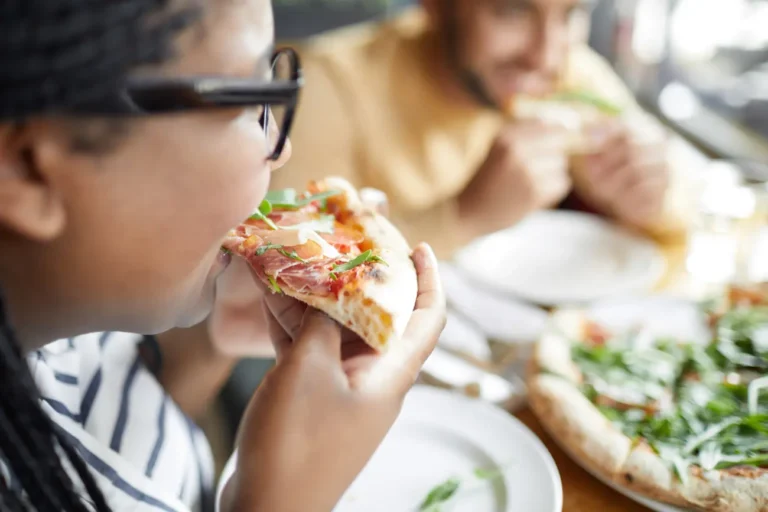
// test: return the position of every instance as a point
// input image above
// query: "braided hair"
(55, 54)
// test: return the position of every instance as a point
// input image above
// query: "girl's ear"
(29, 203)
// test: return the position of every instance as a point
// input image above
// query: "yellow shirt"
(372, 113)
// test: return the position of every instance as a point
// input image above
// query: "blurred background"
(702, 65)
(701, 68)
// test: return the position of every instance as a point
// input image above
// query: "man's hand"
(627, 174)
(526, 170)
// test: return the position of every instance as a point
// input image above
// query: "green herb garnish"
(489, 474)
(357, 261)
(440, 494)
(288, 199)
(264, 209)
(279, 248)
(291, 255)
(753, 393)
(273, 284)
(444, 492)
(281, 198)
(591, 99)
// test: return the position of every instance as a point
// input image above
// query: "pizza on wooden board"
(678, 422)
(327, 249)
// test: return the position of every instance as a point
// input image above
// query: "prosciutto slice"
(304, 268)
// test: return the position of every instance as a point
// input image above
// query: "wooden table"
(581, 491)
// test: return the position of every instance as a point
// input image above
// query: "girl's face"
(137, 230)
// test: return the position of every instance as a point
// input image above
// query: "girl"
(132, 137)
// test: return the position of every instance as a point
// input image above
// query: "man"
(414, 107)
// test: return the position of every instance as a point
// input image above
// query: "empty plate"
(441, 436)
(562, 257)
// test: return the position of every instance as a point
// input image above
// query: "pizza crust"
(733, 490)
(599, 446)
(569, 417)
(646, 473)
(378, 309)
(553, 351)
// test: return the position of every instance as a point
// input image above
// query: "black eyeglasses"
(141, 96)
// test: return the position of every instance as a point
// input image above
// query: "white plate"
(441, 435)
(561, 257)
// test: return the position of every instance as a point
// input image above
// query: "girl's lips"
(223, 259)
(225, 256)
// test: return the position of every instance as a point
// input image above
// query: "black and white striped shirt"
(144, 452)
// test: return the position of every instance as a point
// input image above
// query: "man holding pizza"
(418, 107)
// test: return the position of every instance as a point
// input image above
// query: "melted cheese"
(295, 237)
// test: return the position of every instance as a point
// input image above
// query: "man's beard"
(471, 81)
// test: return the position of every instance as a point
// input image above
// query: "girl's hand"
(323, 410)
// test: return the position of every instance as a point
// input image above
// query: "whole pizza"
(679, 422)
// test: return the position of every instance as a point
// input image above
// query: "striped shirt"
(144, 452)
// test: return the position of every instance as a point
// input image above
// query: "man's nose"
(547, 46)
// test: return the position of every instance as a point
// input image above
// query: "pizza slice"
(325, 248)
(574, 110)
(679, 422)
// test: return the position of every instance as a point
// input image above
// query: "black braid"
(55, 54)
(29, 441)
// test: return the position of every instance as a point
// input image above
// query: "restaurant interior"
(700, 67)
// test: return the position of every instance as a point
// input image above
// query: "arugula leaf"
(681, 466)
(589, 98)
(757, 422)
(279, 248)
(447, 490)
(710, 455)
(760, 460)
(612, 414)
(261, 251)
(489, 474)
(722, 406)
(287, 199)
(439, 495)
(709, 433)
(265, 208)
(291, 255)
(282, 197)
(753, 393)
(357, 261)
(322, 196)
(273, 284)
